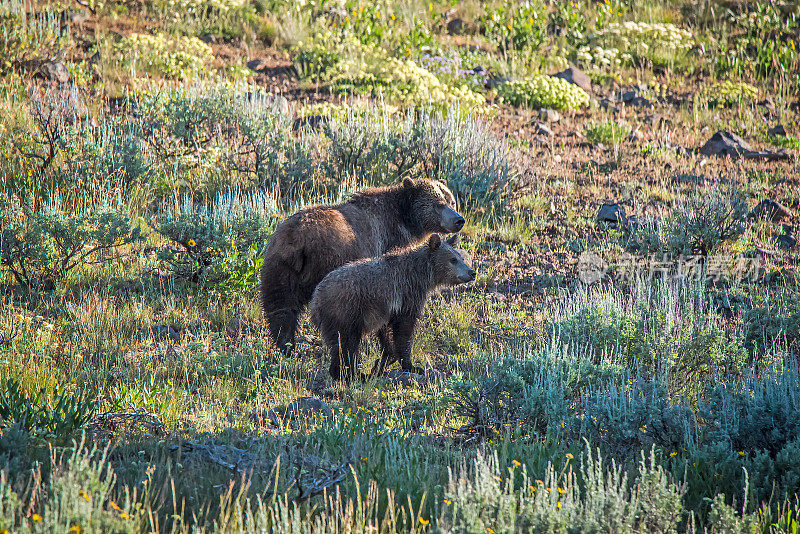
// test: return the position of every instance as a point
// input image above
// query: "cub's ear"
(434, 242)
(408, 183)
(453, 240)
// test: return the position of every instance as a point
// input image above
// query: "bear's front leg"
(403, 332)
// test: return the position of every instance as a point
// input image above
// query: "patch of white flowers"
(602, 56)
(370, 68)
(170, 56)
(544, 92)
(645, 35)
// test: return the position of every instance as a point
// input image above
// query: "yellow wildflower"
(75, 529)
(423, 521)
(673, 454)
(559, 505)
(570, 456)
(192, 243)
(123, 515)
(36, 518)
(490, 531)
(742, 453)
(84, 495)
(448, 502)
(516, 463)
(115, 506)
(430, 6)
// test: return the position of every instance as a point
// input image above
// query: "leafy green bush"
(219, 240)
(540, 91)
(172, 57)
(701, 224)
(608, 132)
(728, 93)
(40, 246)
(48, 415)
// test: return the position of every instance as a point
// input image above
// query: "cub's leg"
(403, 333)
(387, 357)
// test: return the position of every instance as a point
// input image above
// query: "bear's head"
(433, 206)
(449, 265)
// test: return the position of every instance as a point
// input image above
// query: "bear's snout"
(451, 220)
(469, 276)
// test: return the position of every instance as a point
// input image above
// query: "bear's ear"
(453, 240)
(434, 242)
(408, 183)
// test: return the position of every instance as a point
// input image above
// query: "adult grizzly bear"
(370, 295)
(318, 239)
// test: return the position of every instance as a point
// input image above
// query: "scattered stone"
(163, 332)
(611, 213)
(557, 159)
(257, 65)
(318, 381)
(314, 122)
(494, 83)
(78, 17)
(768, 103)
(640, 101)
(549, 115)
(55, 71)
(577, 77)
(636, 135)
(725, 143)
(655, 119)
(237, 327)
(774, 211)
(542, 129)
(455, 26)
(628, 96)
(479, 69)
(778, 130)
(608, 105)
(785, 242)
(777, 155)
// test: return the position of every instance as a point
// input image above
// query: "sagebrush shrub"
(41, 245)
(220, 239)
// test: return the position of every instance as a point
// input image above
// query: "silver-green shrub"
(40, 245)
(218, 239)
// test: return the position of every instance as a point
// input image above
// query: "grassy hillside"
(626, 360)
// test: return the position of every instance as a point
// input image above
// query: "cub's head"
(432, 205)
(449, 266)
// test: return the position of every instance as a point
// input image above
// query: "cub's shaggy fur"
(318, 239)
(386, 295)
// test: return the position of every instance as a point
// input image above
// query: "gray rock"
(549, 115)
(257, 65)
(627, 96)
(725, 143)
(654, 119)
(772, 210)
(636, 135)
(163, 332)
(785, 242)
(577, 77)
(778, 130)
(494, 83)
(237, 327)
(55, 71)
(542, 129)
(455, 26)
(611, 213)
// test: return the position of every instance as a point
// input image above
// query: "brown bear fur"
(318, 239)
(386, 295)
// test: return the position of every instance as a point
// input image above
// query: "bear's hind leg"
(387, 357)
(345, 357)
(403, 334)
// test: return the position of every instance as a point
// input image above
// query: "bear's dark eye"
(453, 261)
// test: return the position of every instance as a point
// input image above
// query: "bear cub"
(384, 295)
